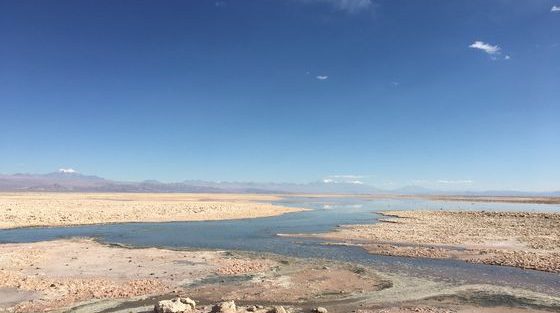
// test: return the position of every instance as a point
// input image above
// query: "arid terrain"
(499, 199)
(87, 276)
(65, 209)
(83, 275)
(526, 240)
(503, 199)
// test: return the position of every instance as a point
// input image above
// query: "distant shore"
(506, 199)
(461, 198)
(519, 239)
(66, 209)
(42, 209)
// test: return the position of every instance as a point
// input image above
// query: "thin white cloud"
(333, 181)
(486, 47)
(455, 182)
(356, 182)
(321, 77)
(555, 8)
(351, 6)
(507, 57)
(67, 170)
(344, 179)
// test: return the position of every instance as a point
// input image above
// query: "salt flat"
(520, 239)
(65, 209)
(82, 275)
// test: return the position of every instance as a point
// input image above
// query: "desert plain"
(84, 275)
(67, 209)
(520, 239)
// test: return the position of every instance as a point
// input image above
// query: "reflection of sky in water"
(350, 206)
(421, 204)
(260, 235)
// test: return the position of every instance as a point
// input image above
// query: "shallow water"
(260, 235)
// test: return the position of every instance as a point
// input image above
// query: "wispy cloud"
(555, 8)
(333, 181)
(493, 50)
(344, 179)
(486, 47)
(455, 182)
(321, 77)
(351, 6)
(67, 170)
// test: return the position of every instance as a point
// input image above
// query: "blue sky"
(446, 94)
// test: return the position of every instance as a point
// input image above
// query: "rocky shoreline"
(519, 239)
(59, 274)
(81, 275)
(187, 305)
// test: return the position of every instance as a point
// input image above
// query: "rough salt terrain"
(81, 275)
(526, 240)
(51, 275)
(64, 209)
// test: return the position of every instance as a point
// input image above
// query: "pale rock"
(278, 309)
(176, 305)
(225, 307)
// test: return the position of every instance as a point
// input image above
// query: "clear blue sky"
(449, 94)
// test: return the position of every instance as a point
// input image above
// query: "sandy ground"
(86, 276)
(56, 274)
(526, 240)
(82, 275)
(63, 272)
(63, 209)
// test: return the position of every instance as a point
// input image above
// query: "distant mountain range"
(65, 180)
